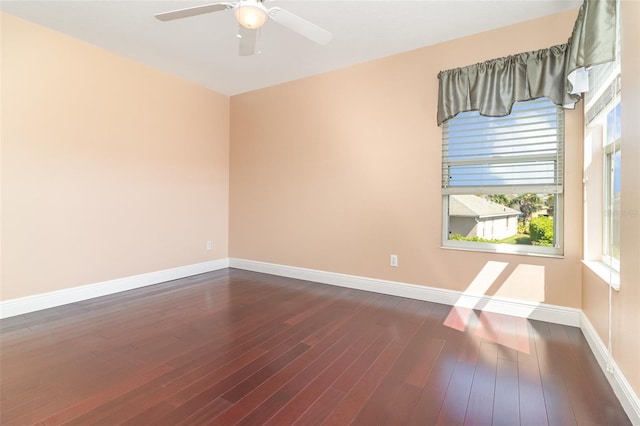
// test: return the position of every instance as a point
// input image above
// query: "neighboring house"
(473, 216)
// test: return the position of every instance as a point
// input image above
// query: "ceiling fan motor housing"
(251, 14)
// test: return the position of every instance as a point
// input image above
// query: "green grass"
(522, 239)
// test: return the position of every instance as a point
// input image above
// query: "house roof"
(474, 206)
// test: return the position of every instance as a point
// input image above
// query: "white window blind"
(520, 153)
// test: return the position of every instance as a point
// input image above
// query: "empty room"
(320, 212)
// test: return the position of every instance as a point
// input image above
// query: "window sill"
(502, 251)
(604, 272)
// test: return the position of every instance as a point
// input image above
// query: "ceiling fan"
(251, 15)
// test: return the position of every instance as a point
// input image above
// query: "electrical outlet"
(209, 245)
(393, 260)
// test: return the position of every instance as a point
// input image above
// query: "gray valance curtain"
(557, 72)
(592, 42)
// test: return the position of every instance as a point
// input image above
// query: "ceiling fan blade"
(247, 45)
(193, 11)
(300, 25)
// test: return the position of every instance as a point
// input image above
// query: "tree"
(528, 204)
(503, 199)
(551, 204)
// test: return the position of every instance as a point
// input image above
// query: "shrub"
(541, 231)
(477, 239)
(522, 227)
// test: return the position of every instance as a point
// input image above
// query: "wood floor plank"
(479, 409)
(107, 394)
(284, 395)
(351, 405)
(237, 392)
(313, 389)
(354, 372)
(557, 402)
(430, 403)
(144, 398)
(456, 397)
(403, 383)
(506, 404)
(595, 375)
(320, 409)
(239, 347)
(331, 335)
(533, 410)
(586, 404)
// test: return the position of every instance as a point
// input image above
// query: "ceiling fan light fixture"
(251, 14)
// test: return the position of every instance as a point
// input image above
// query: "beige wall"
(625, 311)
(109, 168)
(338, 171)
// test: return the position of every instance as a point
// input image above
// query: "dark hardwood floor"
(236, 347)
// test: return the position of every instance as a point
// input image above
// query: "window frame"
(556, 190)
(555, 251)
(610, 148)
(603, 96)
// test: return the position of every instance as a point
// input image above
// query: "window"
(502, 180)
(603, 154)
(611, 181)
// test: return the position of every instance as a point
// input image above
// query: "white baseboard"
(23, 305)
(622, 388)
(518, 308)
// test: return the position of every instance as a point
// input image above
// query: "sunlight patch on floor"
(474, 311)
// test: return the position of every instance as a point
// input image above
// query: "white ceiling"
(204, 49)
